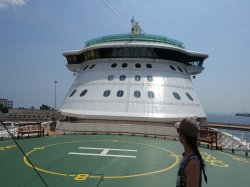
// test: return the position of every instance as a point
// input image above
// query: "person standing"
(192, 164)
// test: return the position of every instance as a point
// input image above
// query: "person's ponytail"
(194, 146)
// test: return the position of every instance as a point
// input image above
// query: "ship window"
(92, 53)
(111, 77)
(120, 52)
(92, 66)
(119, 93)
(122, 77)
(82, 57)
(70, 61)
(137, 65)
(150, 78)
(137, 94)
(177, 96)
(172, 67)
(149, 66)
(104, 52)
(88, 55)
(151, 94)
(83, 93)
(86, 67)
(79, 59)
(179, 69)
(74, 59)
(113, 65)
(137, 78)
(143, 52)
(127, 52)
(106, 93)
(124, 65)
(72, 93)
(136, 51)
(97, 54)
(114, 52)
(189, 96)
(149, 53)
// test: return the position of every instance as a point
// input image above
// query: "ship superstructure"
(134, 76)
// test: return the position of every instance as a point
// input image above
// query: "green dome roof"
(134, 37)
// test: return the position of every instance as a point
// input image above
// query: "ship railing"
(166, 131)
(228, 136)
(216, 137)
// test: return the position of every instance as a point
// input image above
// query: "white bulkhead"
(133, 77)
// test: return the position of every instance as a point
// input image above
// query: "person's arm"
(192, 173)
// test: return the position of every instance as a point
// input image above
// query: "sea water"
(224, 118)
(231, 119)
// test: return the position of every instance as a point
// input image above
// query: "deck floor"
(110, 161)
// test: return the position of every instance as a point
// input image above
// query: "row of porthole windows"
(137, 78)
(137, 94)
(137, 65)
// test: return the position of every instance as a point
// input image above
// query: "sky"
(35, 33)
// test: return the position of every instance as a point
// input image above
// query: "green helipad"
(110, 161)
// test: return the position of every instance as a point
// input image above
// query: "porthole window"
(172, 67)
(137, 65)
(72, 93)
(119, 93)
(83, 93)
(137, 78)
(86, 67)
(150, 78)
(124, 65)
(189, 96)
(137, 94)
(122, 78)
(113, 65)
(92, 66)
(151, 94)
(149, 66)
(179, 69)
(177, 96)
(111, 77)
(106, 93)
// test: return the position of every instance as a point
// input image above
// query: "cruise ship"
(116, 125)
(134, 76)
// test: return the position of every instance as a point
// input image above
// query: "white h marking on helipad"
(104, 152)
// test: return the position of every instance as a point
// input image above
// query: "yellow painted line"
(237, 158)
(213, 160)
(7, 147)
(172, 154)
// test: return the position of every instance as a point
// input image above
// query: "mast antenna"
(136, 28)
(133, 25)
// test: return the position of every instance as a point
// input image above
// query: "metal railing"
(164, 131)
(234, 137)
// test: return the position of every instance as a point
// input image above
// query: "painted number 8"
(81, 177)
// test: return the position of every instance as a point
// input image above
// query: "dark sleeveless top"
(181, 178)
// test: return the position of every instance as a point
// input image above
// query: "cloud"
(6, 3)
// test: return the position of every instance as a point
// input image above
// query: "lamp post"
(55, 100)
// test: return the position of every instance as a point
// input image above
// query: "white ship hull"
(164, 106)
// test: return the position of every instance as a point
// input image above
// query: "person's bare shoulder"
(193, 165)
